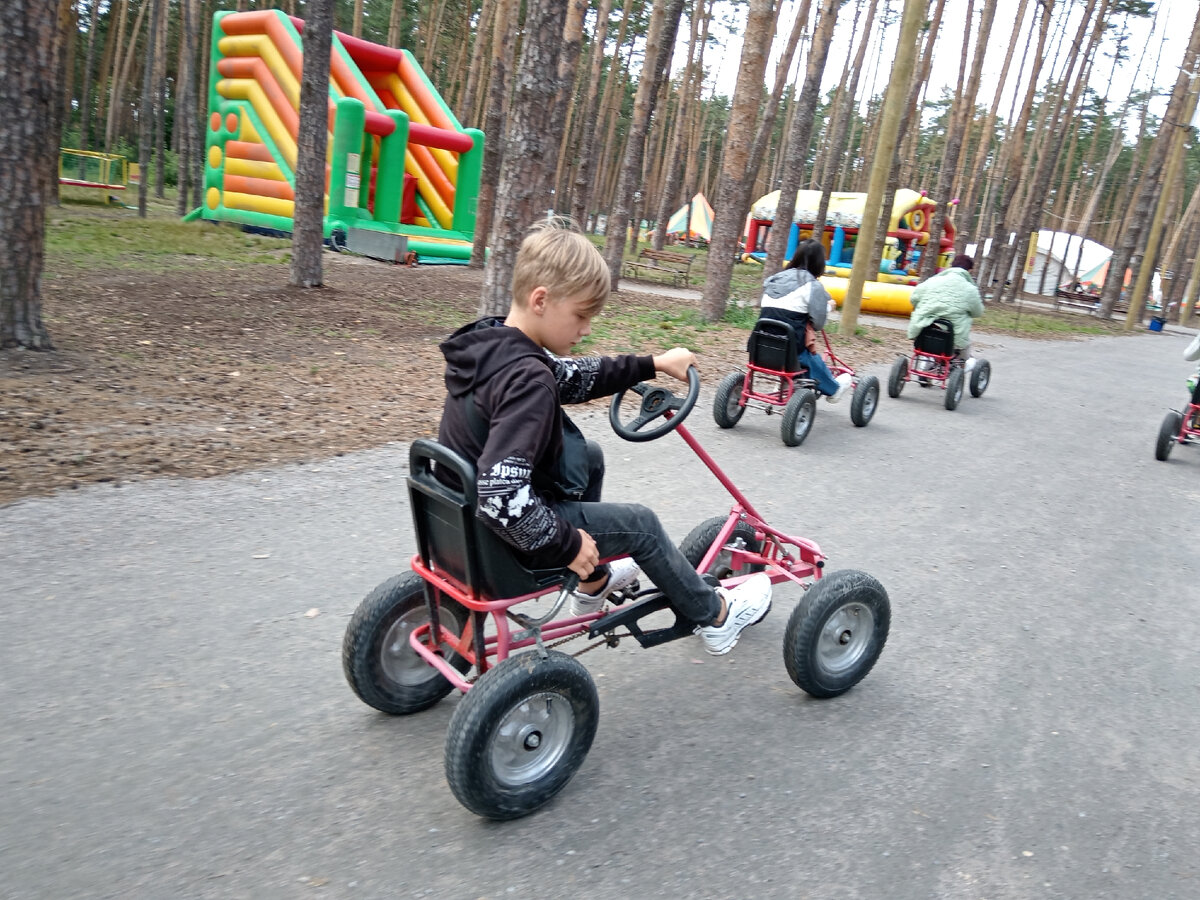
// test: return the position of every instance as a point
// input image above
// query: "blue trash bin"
(1157, 323)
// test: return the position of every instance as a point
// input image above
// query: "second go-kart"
(934, 361)
(775, 380)
(530, 709)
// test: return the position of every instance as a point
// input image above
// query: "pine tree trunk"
(800, 137)
(732, 200)
(1031, 214)
(31, 54)
(160, 99)
(673, 174)
(483, 37)
(311, 142)
(114, 80)
(146, 116)
(587, 175)
(1146, 192)
(889, 128)
(664, 24)
(493, 150)
(185, 103)
(526, 171)
(85, 98)
(568, 64)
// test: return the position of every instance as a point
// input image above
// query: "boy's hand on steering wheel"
(587, 558)
(675, 362)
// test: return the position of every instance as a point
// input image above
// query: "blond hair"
(556, 256)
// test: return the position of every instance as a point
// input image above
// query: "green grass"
(1008, 319)
(76, 235)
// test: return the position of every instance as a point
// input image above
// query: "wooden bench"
(676, 266)
(1085, 302)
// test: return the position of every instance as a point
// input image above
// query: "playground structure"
(907, 238)
(402, 174)
(89, 169)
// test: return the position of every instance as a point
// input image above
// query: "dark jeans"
(630, 529)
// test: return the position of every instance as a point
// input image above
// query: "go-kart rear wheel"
(864, 401)
(898, 377)
(520, 734)
(798, 417)
(1168, 435)
(981, 377)
(836, 633)
(700, 538)
(954, 388)
(382, 667)
(727, 408)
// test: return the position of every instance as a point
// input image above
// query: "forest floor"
(180, 350)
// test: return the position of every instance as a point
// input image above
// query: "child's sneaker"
(745, 605)
(621, 574)
(845, 382)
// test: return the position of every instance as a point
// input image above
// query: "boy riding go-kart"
(506, 510)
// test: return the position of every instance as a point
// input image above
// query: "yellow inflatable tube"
(878, 297)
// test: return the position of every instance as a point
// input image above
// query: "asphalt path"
(176, 722)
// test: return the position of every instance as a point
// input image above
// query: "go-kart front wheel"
(836, 633)
(520, 734)
(1168, 434)
(382, 667)
(700, 538)
(898, 377)
(864, 401)
(798, 417)
(954, 388)
(981, 377)
(727, 406)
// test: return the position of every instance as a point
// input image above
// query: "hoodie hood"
(784, 282)
(479, 350)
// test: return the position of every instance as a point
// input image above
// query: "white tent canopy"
(1055, 263)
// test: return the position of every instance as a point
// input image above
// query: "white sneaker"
(746, 605)
(621, 574)
(970, 363)
(845, 382)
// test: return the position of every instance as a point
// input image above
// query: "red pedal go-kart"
(1179, 427)
(530, 710)
(774, 379)
(933, 361)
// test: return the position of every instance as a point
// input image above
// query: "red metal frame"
(786, 386)
(1190, 426)
(940, 371)
(785, 558)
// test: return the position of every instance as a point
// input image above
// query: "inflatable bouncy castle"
(402, 174)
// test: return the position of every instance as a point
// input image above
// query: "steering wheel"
(656, 403)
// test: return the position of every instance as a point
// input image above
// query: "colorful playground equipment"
(907, 238)
(402, 174)
(89, 169)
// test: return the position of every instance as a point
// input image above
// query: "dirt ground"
(166, 375)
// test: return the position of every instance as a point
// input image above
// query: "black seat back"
(936, 337)
(772, 345)
(442, 494)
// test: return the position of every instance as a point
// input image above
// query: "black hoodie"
(518, 390)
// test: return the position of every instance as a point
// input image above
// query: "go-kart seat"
(451, 539)
(937, 337)
(772, 345)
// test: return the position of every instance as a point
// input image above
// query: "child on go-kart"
(538, 486)
(794, 295)
(950, 294)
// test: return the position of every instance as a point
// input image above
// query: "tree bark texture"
(31, 54)
(530, 151)
(660, 42)
(493, 124)
(800, 137)
(312, 140)
(1147, 191)
(732, 199)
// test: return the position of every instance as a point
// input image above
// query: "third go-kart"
(1179, 427)
(530, 709)
(934, 361)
